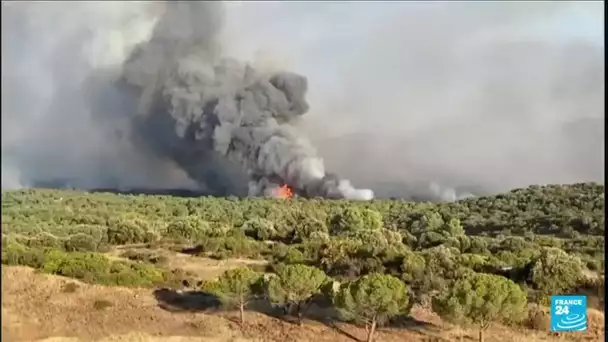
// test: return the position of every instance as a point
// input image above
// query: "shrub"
(17, 254)
(147, 275)
(353, 219)
(260, 229)
(102, 304)
(122, 231)
(241, 246)
(128, 274)
(538, 318)
(70, 288)
(234, 245)
(45, 240)
(478, 245)
(190, 228)
(432, 221)
(372, 241)
(86, 266)
(372, 220)
(293, 256)
(97, 232)
(454, 228)
(309, 227)
(431, 239)
(80, 265)
(413, 266)
(554, 271)
(80, 243)
(319, 237)
(144, 256)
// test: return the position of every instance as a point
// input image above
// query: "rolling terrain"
(83, 266)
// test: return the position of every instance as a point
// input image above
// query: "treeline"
(569, 217)
(560, 210)
(547, 240)
(370, 300)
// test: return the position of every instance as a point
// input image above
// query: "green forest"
(479, 260)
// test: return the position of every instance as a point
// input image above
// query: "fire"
(283, 192)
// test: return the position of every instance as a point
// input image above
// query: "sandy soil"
(39, 307)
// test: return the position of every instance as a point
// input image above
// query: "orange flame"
(283, 192)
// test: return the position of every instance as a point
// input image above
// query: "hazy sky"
(475, 76)
(457, 93)
(327, 41)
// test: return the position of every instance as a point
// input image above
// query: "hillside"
(123, 245)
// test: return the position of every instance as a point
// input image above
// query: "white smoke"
(488, 95)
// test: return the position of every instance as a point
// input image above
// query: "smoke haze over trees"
(478, 96)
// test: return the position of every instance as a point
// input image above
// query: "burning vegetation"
(283, 192)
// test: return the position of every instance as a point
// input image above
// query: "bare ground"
(204, 268)
(40, 307)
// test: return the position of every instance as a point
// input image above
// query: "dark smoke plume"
(194, 104)
(414, 100)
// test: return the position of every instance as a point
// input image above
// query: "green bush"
(413, 266)
(189, 228)
(16, 254)
(79, 265)
(309, 228)
(45, 240)
(86, 266)
(293, 256)
(144, 256)
(135, 275)
(260, 229)
(554, 271)
(97, 232)
(352, 219)
(80, 243)
(123, 231)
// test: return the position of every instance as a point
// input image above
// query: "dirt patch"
(204, 268)
(36, 307)
(140, 337)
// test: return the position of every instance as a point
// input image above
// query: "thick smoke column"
(204, 104)
(421, 101)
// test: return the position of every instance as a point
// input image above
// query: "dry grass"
(539, 318)
(36, 307)
(204, 268)
(142, 337)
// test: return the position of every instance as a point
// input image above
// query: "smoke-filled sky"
(477, 95)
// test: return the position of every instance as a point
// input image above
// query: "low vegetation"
(475, 261)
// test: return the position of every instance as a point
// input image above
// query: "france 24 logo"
(568, 313)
